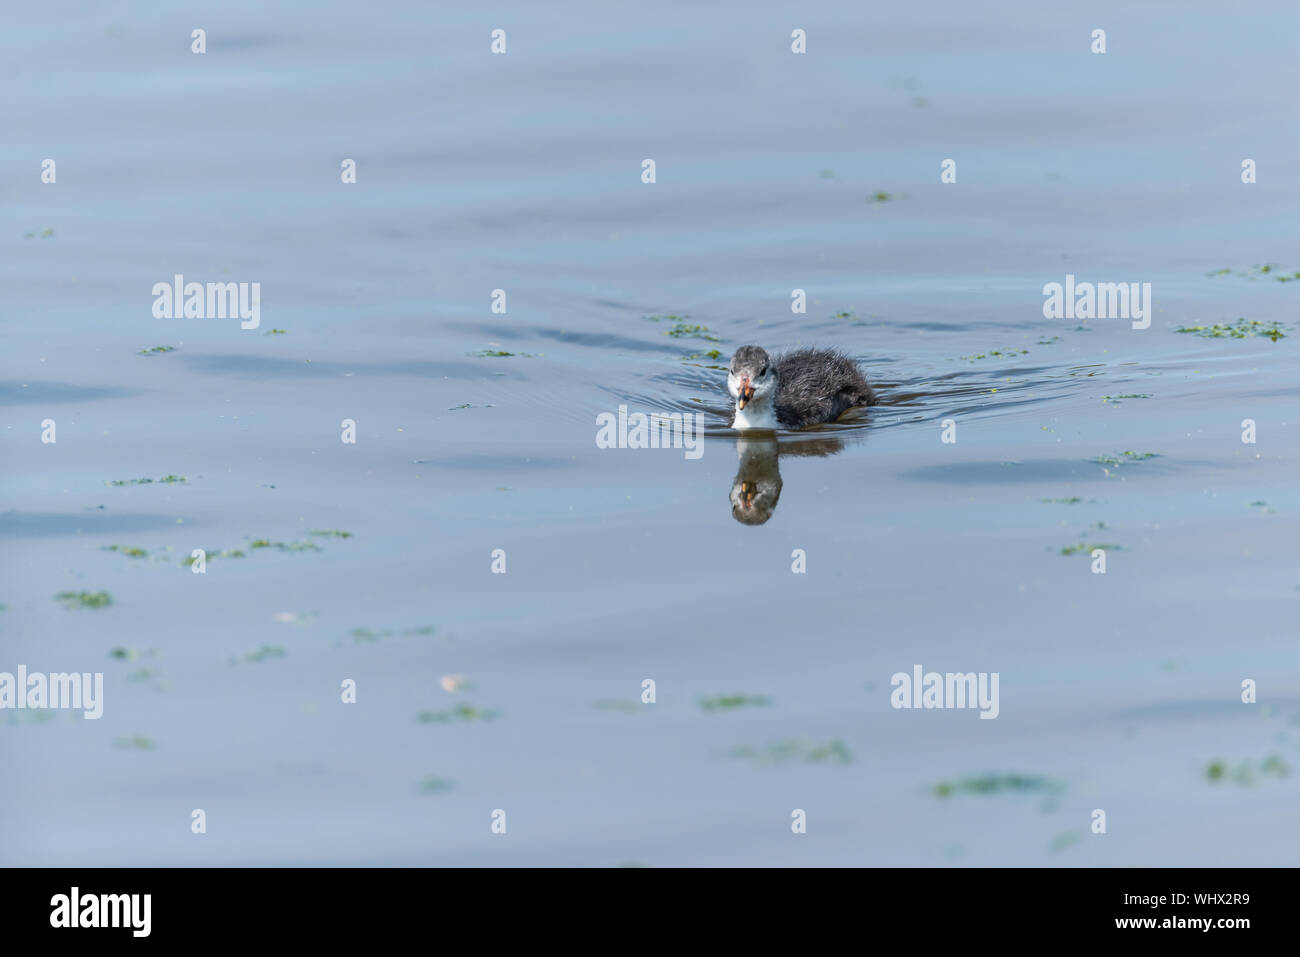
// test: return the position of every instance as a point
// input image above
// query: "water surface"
(522, 172)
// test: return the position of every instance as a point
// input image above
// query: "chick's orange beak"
(747, 492)
(746, 392)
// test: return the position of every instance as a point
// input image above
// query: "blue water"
(522, 172)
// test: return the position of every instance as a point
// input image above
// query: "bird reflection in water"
(757, 486)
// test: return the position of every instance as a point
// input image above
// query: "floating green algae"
(1123, 458)
(1260, 271)
(710, 354)
(366, 635)
(264, 653)
(131, 654)
(1127, 395)
(689, 330)
(84, 599)
(732, 701)
(210, 554)
(462, 712)
(988, 784)
(1241, 329)
(130, 551)
(1089, 547)
(260, 543)
(625, 705)
(995, 354)
(1248, 773)
(1063, 839)
(165, 480)
(786, 751)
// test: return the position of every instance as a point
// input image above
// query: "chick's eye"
(762, 374)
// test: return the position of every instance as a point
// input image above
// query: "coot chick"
(801, 388)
